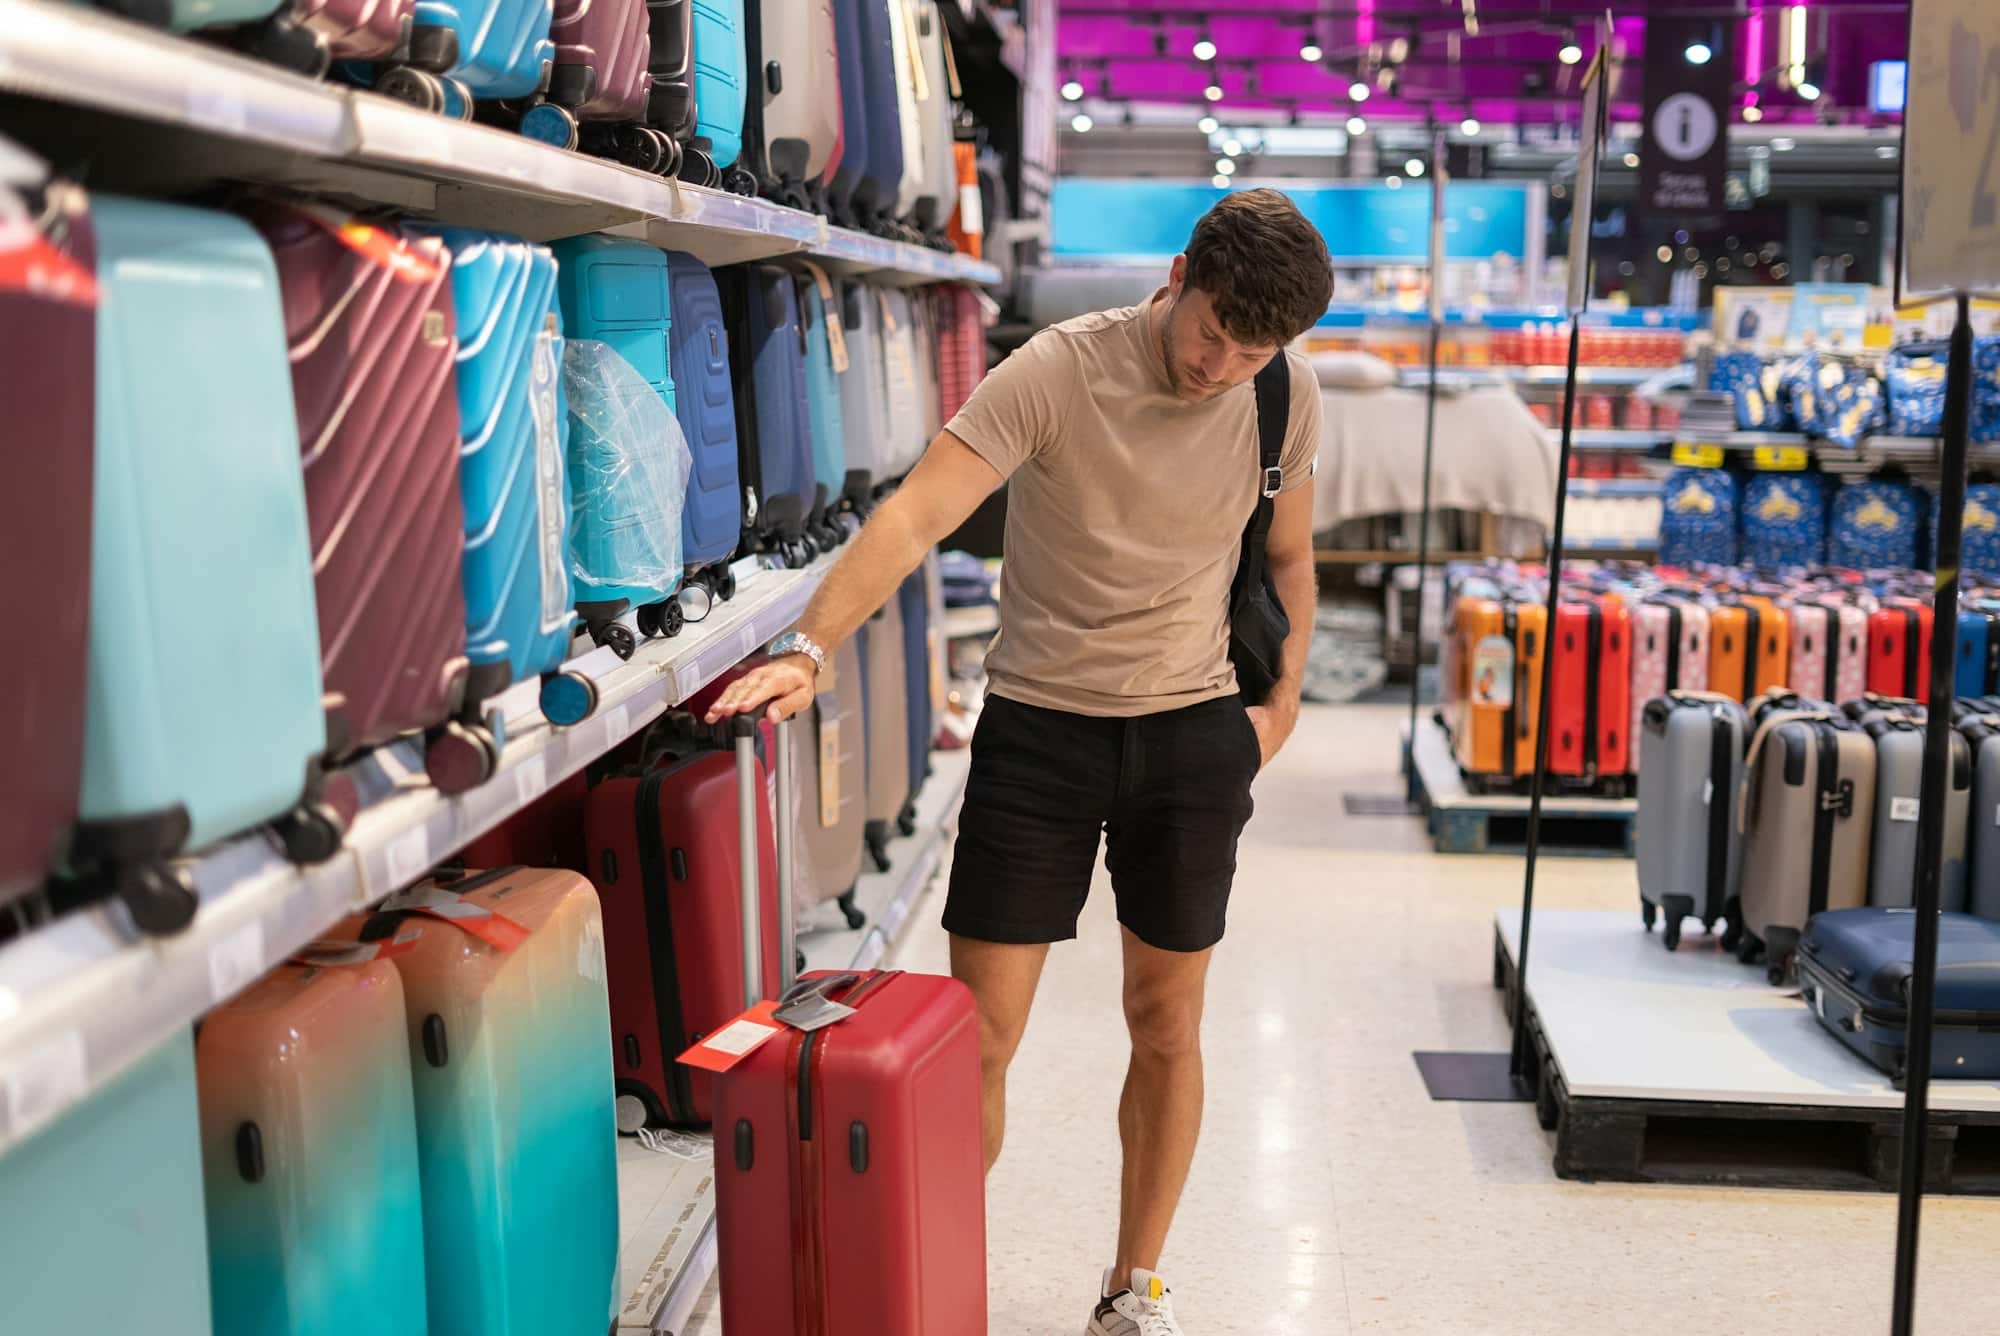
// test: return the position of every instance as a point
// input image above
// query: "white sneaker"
(1145, 1309)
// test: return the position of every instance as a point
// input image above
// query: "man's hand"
(782, 687)
(1274, 721)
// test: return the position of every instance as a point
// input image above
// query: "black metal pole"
(1555, 563)
(1930, 821)
(1423, 563)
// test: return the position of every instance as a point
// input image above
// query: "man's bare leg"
(1159, 1115)
(1003, 978)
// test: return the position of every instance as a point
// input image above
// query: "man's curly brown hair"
(1263, 265)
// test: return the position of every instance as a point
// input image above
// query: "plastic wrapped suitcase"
(1590, 709)
(939, 194)
(1915, 373)
(832, 770)
(773, 428)
(510, 1060)
(370, 325)
(1899, 649)
(512, 473)
(601, 86)
(1502, 649)
(1806, 813)
(877, 1119)
(1899, 765)
(489, 49)
(202, 713)
(875, 194)
(801, 103)
(704, 400)
(309, 1147)
(1698, 518)
(888, 719)
(857, 153)
(1977, 669)
(1873, 525)
(1669, 653)
(864, 403)
(1854, 973)
(1828, 653)
(919, 685)
(720, 90)
(102, 1210)
(826, 358)
(1690, 859)
(1784, 520)
(961, 346)
(617, 292)
(666, 855)
(48, 331)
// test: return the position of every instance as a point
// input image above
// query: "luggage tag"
(496, 930)
(334, 955)
(737, 1040)
(836, 332)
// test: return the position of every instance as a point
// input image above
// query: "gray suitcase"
(1807, 816)
(830, 773)
(1982, 736)
(864, 393)
(1690, 860)
(888, 728)
(1899, 768)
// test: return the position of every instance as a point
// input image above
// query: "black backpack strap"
(1274, 411)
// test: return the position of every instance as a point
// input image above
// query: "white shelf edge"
(85, 997)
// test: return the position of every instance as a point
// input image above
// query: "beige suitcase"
(830, 772)
(888, 727)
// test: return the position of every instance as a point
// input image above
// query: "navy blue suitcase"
(914, 598)
(874, 199)
(1977, 669)
(704, 402)
(774, 450)
(856, 146)
(1855, 967)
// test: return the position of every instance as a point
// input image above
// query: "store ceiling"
(1496, 60)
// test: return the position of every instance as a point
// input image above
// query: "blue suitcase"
(712, 519)
(617, 291)
(1784, 520)
(915, 603)
(720, 85)
(1698, 518)
(102, 1210)
(1977, 667)
(203, 710)
(1874, 525)
(491, 48)
(1979, 550)
(874, 199)
(1854, 968)
(856, 145)
(773, 427)
(864, 406)
(820, 304)
(511, 472)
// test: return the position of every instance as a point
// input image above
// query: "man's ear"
(1177, 276)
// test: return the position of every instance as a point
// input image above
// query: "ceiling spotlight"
(1311, 52)
(1681, 236)
(1626, 268)
(1809, 91)
(1666, 254)
(1204, 50)
(1207, 125)
(1219, 181)
(1469, 126)
(1784, 144)
(1699, 53)
(1399, 50)
(1072, 91)
(1394, 183)
(1753, 113)
(1414, 167)
(1356, 126)
(1358, 91)
(1081, 123)
(1232, 146)
(1691, 253)
(1225, 166)
(1213, 92)
(1571, 51)
(1631, 160)
(1386, 79)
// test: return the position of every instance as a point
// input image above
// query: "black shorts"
(1170, 792)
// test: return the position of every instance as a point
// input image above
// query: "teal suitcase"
(102, 1212)
(203, 691)
(819, 303)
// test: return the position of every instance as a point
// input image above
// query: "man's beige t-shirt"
(1125, 516)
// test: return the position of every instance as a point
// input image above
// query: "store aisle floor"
(1329, 1194)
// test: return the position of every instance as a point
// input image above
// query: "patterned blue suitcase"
(102, 1210)
(616, 291)
(511, 475)
(712, 519)
(1698, 518)
(203, 710)
(820, 305)
(913, 598)
(1979, 551)
(720, 85)
(773, 427)
(1854, 969)
(1874, 525)
(1784, 520)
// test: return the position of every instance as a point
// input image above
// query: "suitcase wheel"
(458, 100)
(695, 601)
(568, 698)
(739, 180)
(311, 832)
(618, 636)
(161, 898)
(1649, 913)
(419, 88)
(699, 169)
(670, 153)
(460, 757)
(725, 585)
(851, 911)
(550, 124)
(661, 619)
(284, 41)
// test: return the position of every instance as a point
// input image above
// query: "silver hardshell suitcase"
(1691, 759)
(1899, 768)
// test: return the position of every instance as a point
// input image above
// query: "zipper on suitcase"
(655, 890)
(1721, 811)
(1593, 664)
(1912, 637)
(1834, 796)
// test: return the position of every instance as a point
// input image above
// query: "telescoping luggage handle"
(743, 729)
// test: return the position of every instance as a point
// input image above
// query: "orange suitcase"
(1501, 650)
(1748, 643)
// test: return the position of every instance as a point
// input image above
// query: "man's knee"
(1164, 1024)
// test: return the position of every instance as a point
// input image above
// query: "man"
(1131, 440)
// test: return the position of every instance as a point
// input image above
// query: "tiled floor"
(1329, 1195)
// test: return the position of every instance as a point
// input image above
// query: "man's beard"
(1175, 376)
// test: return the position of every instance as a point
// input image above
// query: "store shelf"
(1604, 547)
(964, 623)
(183, 114)
(1616, 487)
(667, 1245)
(1557, 376)
(86, 996)
(1388, 556)
(1600, 439)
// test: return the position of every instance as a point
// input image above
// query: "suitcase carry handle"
(743, 728)
(820, 987)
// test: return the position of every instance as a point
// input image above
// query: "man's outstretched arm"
(941, 491)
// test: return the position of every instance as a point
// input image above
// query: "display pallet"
(1840, 1129)
(1464, 822)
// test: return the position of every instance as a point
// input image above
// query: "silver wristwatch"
(797, 642)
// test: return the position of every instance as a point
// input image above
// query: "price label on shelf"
(1780, 458)
(617, 723)
(408, 856)
(531, 778)
(1698, 456)
(235, 961)
(44, 1081)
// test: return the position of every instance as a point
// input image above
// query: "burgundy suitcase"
(48, 356)
(962, 346)
(667, 860)
(368, 315)
(546, 833)
(849, 1168)
(604, 55)
(357, 29)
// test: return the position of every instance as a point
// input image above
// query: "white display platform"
(1626, 1019)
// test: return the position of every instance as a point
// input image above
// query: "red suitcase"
(368, 315)
(1590, 688)
(849, 1169)
(604, 56)
(668, 864)
(546, 833)
(48, 356)
(1899, 649)
(962, 346)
